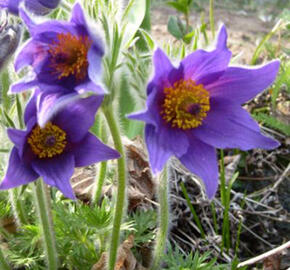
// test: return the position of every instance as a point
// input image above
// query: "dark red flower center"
(69, 56)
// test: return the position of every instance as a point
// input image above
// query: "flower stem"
(17, 207)
(100, 181)
(103, 165)
(163, 220)
(45, 217)
(120, 202)
(211, 18)
(3, 264)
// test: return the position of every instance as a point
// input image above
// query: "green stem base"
(121, 191)
(45, 218)
(163, 221)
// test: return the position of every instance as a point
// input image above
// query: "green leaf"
(149, 40)
(179, 6)
(259, 48)
(4, 87)
(283, 78)
(188, 37)
(272, 122)
(126, 106)
(10, 122)
(132, 19)
(176, 28)
(19, 112)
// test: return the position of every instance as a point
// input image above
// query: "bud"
(38, 7)
(41, 7)
(9, 38)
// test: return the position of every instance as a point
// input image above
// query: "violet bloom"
(38, 7)
(61, 53)
(195, 108)
(52, 152)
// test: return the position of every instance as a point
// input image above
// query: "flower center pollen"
(69, 55)
(47, 142)
(185, 104)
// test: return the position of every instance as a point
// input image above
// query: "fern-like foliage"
(175, 260)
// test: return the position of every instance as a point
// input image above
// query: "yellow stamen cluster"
(185, 104)
(47, 142)
(69, 55)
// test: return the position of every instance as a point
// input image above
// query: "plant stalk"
(103, 165)
(211, 18)
(17, 207)
(121, 189)
(45, 218)
(100, 181)
(163, 220)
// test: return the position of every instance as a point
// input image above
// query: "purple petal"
(11, 5)
(23, 85)
(174, 139)
(77, 15)
(18, 137)
(18, 173)
(91, 150)
(151, 115)
(27, 20)
(201, 160)
(90, 86)
(50, 26)
(39, 7)
(77, 118)
(97, 49)
(57, 172)
(242, 84)
(201, 64)
(158, 154)
(228, 125)
(95, 64)
(32, 53)
(222, 37)
(30, 110)
(49, 104)
(51, 4)
(162, 68)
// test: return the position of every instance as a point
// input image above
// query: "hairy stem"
(163, 220)
(102, 167)
(17, 207)
(100, 181)
(121, 190)
(43, 207)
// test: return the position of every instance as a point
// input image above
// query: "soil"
(245, 29)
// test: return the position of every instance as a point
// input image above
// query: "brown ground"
(245, 29)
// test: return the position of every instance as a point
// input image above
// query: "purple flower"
(195, 108)
(64, 142)
(61, 53)
(38, 7)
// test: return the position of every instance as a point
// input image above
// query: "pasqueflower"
(54, 150)
(38, 7)
(61, 53)
(196, 107)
